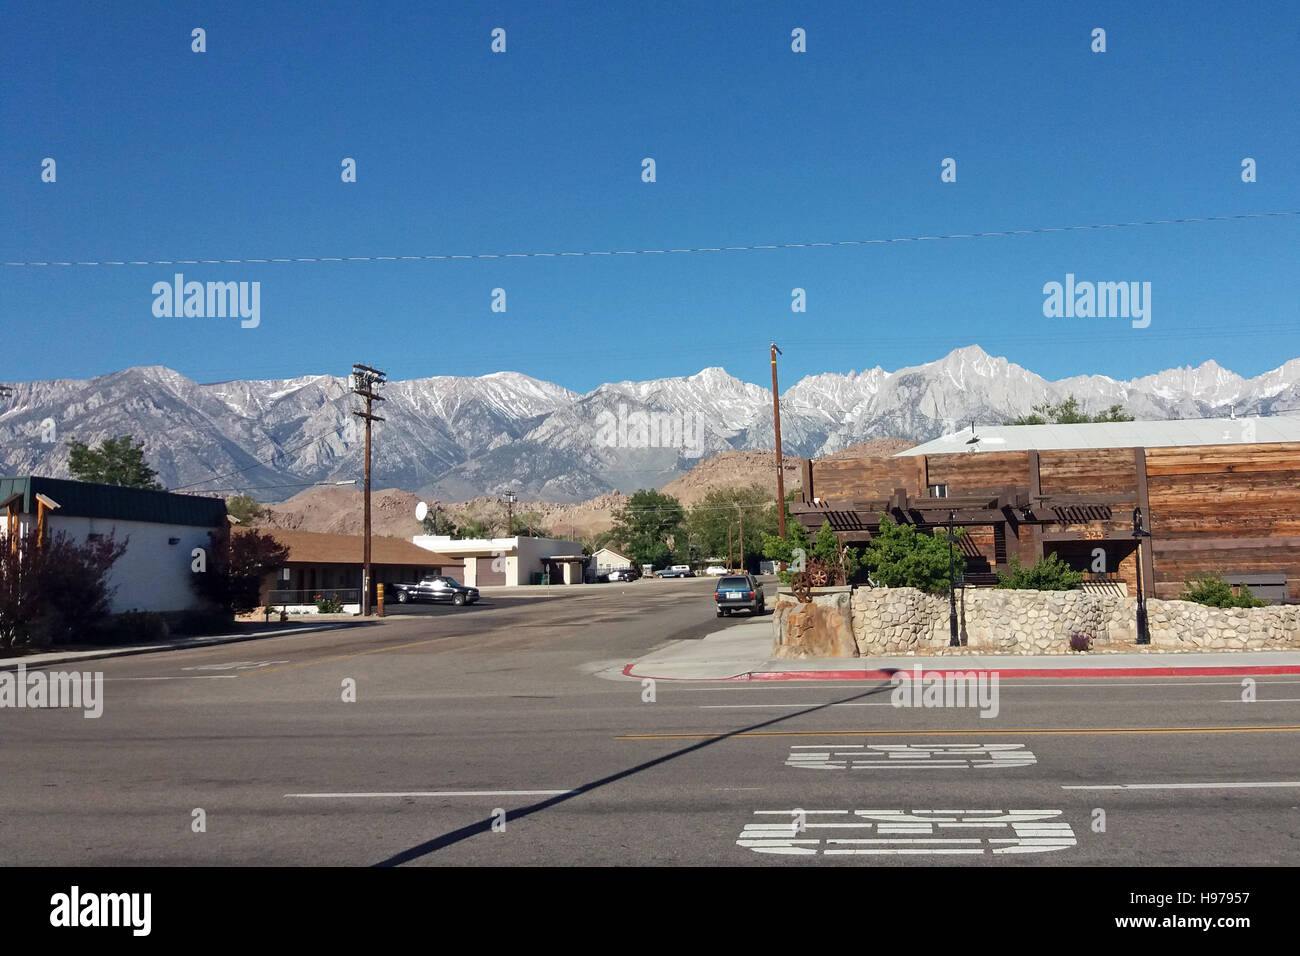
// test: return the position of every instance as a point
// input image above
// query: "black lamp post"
(953, 640)
(1139, 532)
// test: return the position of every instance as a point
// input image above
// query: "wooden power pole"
(741, 542)
(780, 465)
(364, 381)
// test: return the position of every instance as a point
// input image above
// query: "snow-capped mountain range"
(454, 438)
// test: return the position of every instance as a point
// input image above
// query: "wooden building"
(1230, 506)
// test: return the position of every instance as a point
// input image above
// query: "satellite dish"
(420, 511)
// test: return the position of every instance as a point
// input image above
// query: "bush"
(1047, 574)
(901, 557)
(132, 627)
(54, 591)
(328, 605)
(1080, 642)
(1213, 591)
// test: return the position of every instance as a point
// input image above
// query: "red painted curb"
(1014, 672)
(1245, 669)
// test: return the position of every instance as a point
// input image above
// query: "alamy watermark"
(75, 909)
(946, 689)
(75, 689)
(651, 429)
(1101, 300)
(215, 300)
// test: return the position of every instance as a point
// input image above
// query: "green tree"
(115, 462)
(244, 508)
(437, 521)
(1048, 573)
(1069, 412)
(708, 521)
(529, 524)
(899, 556)
(648, 527)
(1214, 591)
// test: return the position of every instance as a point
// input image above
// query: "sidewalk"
(743, 652)
(33, 661)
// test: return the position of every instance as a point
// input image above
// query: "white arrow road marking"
(916, 832)
(233, 666)
(908, 756)
(1186, 786)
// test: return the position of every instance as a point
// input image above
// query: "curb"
(13, 662)
(1012, 673)
(1015, 672)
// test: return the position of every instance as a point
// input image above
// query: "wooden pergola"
(1013, 509)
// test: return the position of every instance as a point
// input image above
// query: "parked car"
(437, 588)
(677, 571)
(715, 571)
(623, 574)
(737, 591)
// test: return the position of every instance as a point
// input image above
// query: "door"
(484, 575)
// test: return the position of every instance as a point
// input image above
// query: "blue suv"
(737, 591)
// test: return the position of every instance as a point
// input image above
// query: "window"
(938, 491)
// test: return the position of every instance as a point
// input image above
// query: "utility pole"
(740, 511)
(364, 381)
(510, 514)
(730, 565)
(780, 470)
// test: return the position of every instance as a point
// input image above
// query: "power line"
(646, 252)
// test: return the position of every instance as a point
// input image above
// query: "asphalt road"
(505, 734)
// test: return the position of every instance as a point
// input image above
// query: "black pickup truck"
(435, 587)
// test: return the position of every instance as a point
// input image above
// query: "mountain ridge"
(458, 437)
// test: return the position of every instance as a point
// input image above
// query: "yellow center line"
(969, 733)
(344, 657)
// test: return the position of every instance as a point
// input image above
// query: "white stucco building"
(160, 529)
(511, 561)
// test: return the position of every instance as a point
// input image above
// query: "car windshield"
(450, 582)
(734, 583)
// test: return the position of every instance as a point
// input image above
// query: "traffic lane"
(684, 805)
(126, 785)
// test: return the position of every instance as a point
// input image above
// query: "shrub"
(132, 627)
(1080, 642)
(237, 565)
(328, 605)
(901, 557)
(1047, 574)
(55, 591)
(1213, 591)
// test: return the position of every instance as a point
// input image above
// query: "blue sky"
(163, 153)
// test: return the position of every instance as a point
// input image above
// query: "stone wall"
(887, 621)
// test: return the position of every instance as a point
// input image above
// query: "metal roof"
(1161, 434)
(88, 500)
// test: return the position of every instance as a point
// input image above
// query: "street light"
(1140, 532)
(953, 640)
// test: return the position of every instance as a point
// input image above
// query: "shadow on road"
(485, 825)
